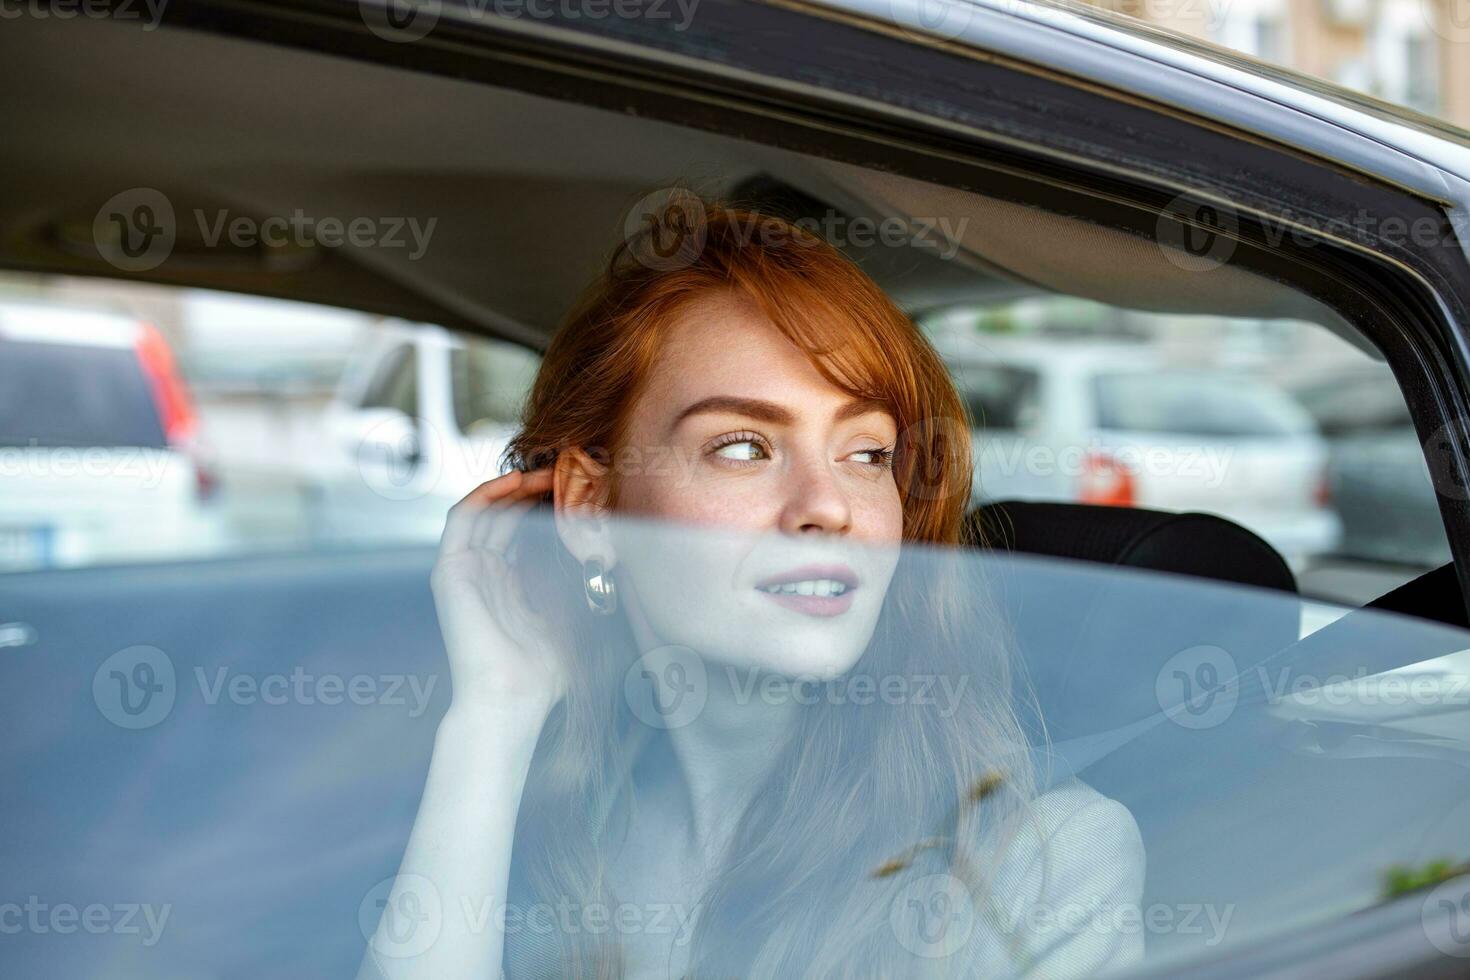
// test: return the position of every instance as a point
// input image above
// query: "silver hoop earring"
(597, 583)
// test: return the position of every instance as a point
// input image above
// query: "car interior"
(528, 194)
(523, 208)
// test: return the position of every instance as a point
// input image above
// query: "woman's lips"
(812, 605)
(816, 590)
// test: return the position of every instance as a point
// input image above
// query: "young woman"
(744, 449)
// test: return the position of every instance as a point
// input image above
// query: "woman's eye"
(746, 450)
(874, 457)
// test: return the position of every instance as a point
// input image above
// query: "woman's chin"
(802, 666)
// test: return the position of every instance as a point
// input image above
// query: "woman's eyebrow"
(765, 411)
(755, 408)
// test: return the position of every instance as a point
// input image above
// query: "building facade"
(1412, 52)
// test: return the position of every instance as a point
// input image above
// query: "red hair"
(854, 335)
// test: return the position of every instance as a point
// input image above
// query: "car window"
(490, 381)
(264, 765)
(999, 397)
(69, 392)
(1279, 426)
(396, 384)
(154, 424)
(1195, 403)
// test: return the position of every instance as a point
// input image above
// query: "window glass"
(65, 393)
(147, 423)
(999, 397)
(490, 381)
(397, 382)
(1280, 426)
(1195, 403)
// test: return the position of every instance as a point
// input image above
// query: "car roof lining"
(527, 194)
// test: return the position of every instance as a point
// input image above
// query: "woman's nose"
(816, 501)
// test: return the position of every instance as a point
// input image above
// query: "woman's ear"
(580, 491)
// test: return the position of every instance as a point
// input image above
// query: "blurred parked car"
(421, 417)
(98, 453)
(1379, 481)
(1113, 423)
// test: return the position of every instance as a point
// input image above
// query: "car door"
(1058, 114)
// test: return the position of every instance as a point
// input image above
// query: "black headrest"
(1184, 544)
(1099, 651)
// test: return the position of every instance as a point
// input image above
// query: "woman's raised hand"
(501, 660)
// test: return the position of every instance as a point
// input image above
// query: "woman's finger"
(497, 525)
(460, 522)
(535, 486)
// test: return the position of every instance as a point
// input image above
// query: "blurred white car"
(97, 443)
(421, 417)
(1112, 422)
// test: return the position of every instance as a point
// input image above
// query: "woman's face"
(737, 432)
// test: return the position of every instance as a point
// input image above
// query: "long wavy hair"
(865, 797)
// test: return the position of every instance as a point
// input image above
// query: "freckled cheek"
(693, 497)
(878, 516)
(720, 503)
